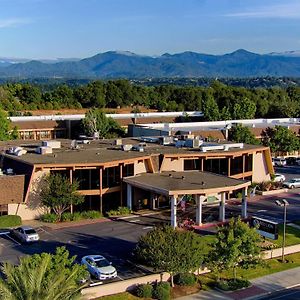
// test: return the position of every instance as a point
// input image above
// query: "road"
(288, 294)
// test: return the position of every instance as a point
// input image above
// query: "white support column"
(129, 196)
(244, 203)
(174, 211)
(222, 208)
(199, 210)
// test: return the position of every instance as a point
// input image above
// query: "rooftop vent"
(43, 150)
(18, 151)
(126, 147)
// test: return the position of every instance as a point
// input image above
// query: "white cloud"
(13, 22)
(287, 10)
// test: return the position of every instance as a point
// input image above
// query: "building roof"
(39, 125)
(103, 151)
(12, 189)
(188, 182)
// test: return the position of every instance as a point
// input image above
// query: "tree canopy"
(6, 131)
(96, 122)
(242, 134)
(281, 139)
(237, 245)
(170, 250)
(58, 194)
(44, 277)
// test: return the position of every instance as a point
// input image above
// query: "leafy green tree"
(281, 139)
(244, 109)
(59, 194)
(210, 107)
(43, 277)
(236, 246)
(170, 250)
(6, 132)
(95, 121)
(242, 134)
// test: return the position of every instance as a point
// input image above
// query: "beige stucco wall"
(140, 167)
(32, 209)
(172, 164)
(260, 168)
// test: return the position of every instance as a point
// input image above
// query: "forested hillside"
(218, 101)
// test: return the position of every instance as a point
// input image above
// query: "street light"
(283, 203)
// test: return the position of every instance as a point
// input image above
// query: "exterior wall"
(172, 164)
(138, 131)
(260, 168)
(140, 167)
(32, 209)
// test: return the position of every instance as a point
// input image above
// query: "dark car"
(291, 161)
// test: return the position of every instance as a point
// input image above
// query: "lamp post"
(283, 203)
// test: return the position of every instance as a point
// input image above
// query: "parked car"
(291, 161)
(99, 267)
(279, 177)
(292, 183)
(297, 162)
(279, 162)
(25, 234)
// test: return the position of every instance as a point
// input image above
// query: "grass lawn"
(292, 236)
(272, 266)
(121, 296)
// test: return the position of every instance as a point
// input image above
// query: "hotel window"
(191, 164)
(111, 177)
(128, 170)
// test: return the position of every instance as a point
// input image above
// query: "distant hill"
(123, 64)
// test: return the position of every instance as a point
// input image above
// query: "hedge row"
(53, 218)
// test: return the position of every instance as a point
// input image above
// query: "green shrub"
(10, 221)
(185, 279)
(144, 291)
(67, 216)
(77, 216)
(233, 284)
(162, 291)
(92, 214)
(49, 218)
(121, 211)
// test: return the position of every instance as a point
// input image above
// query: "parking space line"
(120, 278)
(13, 239)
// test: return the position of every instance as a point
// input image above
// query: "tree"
(210, 107)
(59, 194)
(244, 109)
(6, 132)
(237, 245)
(95, 121)
(242, 134)
(44, 277)
(170, 250)
(281, 139)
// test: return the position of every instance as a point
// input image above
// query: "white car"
(99, 267)
(278, 162)
(279, 177)
(25, 234)
(292, 183)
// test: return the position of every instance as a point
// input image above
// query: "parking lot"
(117, 239)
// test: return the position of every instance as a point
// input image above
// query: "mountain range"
(124, 64)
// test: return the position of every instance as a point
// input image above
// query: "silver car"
(25, 234)
(292, 183)
(99, 267)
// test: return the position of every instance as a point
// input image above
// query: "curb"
(257, 297)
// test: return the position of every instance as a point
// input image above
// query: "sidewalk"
(260, 287)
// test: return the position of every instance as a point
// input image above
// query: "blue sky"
(82, 28)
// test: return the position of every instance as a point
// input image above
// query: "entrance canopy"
(188, 182)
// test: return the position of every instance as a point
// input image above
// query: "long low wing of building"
(101, 166)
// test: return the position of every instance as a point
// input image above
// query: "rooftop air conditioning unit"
(234, 145)
(193, 143)
(52, 144)
(18, 151)
(126, 147)
(166, 140)
(43, 150)
(180, 144)
(138, 148)
(118, 142)
(9, 171)
(212, 147)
